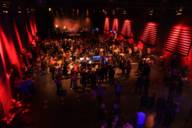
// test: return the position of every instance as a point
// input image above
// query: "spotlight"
(19, 11)
(28, 10)
(179, 11)
(50, 9)
(113, 12)
(32, 9)
(151, 12)
(77, 12)
(5, 11)
(124, 12)
(87, 12)
(64, 27)
(104, 11)
(4, 5)
(56, 26)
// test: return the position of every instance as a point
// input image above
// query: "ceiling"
(103, 3)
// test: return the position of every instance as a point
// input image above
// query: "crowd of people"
(99, 63)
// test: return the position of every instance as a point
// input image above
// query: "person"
(73, 80)
(160, 110)
(146, 77)
(52, 71)
(111, 75)
(58, 84)
(118, 90)
(150, 120)
(93, 79)
(141, 116)
(100, 93)
(84, 79)
(128, 68)
(65, 69)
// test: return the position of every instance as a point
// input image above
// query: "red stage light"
(185, 41)
(18, 38)
(30, 38)
(2, 54)
(126, 29)
(115, 25)
(32, 27)
(179, 40)
(149, 35)
(173, 39)
(10, 50)
(5, 96)
(106, 25)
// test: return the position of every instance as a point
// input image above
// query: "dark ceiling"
(103, 3)
(132, 6)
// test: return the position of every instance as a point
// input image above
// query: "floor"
(79, 110)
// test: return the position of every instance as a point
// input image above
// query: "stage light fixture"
(5, 11)
(50, 9)
(179, 11)
(4, 5)
(124, 12)
(113, 12)
(151, 11)
(87, 12)
(104, 11)
(28, 10)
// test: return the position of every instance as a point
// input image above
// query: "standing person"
(52, 70)
(160, 110)
(111, 75)
(146, 77)
(73, 80)
(83, 79)
(100, 93)
(141, 116)
(93, 79)
(118, 90)
(65, 69)
(58, 84)
(128, 68)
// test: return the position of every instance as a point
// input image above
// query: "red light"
(126, 29)
(30, 38)
(115, 25)
(10, 50)
(18, 38)
(185, 41)
(106, 25)
(2, 54)
(179, 40)
(140, 45)
(5, 96)
(173, 39)
(150, 33)
(33, 26)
